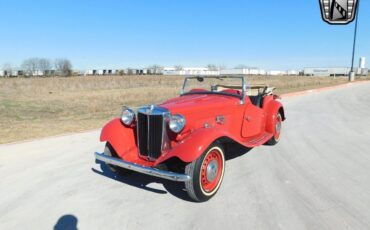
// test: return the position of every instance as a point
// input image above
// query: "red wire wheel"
(212, 170)
(278, 127)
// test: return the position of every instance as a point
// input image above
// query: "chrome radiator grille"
(150, 131)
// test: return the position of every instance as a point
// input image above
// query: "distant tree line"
(33, 67)
(44, 67)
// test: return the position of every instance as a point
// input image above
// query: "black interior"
(257, 100)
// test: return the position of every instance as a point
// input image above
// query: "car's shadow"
(142, 181)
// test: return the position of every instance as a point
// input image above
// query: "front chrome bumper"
(142, 169)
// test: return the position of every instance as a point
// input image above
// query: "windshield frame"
(243, 86)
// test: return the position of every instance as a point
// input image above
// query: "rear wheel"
(206, 174)
(109, 151)
(277, 130)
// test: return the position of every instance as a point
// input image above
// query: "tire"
(277, 130)
(109, 151)
(206, 174)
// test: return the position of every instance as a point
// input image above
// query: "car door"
(253, 121)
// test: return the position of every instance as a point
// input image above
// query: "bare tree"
(179, 67)
(30, 66)
(44, 66)
(212, 67)
(221, 67)
(241, 67)
(63, 67)
(155, 68)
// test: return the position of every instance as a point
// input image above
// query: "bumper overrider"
(142, 169)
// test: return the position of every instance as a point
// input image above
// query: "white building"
(333, 71)
(245, 71)
(262, 72)
(189, 71)
(293, 72)
(38, 73)
(101, 72)
(235, 72)
(276, 72)
(336, 71)
(323, 72)
(90, 72)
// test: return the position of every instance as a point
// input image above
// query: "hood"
(199, 102)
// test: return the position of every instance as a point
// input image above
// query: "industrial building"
(292, 72)
(100, 72)
(276, 72)
(128, 71)
(334, 71)
(256, 71)
(244, 71)
(361, 70)
(189, 71)
(337, 71)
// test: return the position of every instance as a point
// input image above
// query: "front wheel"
(206, 174)
(109, 151)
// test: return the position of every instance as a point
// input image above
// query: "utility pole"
(352, 73)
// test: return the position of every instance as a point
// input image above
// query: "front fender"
(122, 138)
(192, 147)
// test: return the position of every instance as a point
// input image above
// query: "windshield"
(232, 86)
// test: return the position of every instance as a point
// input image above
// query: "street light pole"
(352, 73)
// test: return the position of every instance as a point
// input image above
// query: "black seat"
(257, 100)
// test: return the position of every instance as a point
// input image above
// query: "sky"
(269, 34)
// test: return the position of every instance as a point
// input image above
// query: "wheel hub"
(211, 171)
(278, 127)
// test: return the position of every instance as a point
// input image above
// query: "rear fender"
(272, 107)
(121, 138)
(192, 147)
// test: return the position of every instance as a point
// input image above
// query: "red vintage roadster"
(183, 139)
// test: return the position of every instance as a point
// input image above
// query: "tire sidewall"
(198, 189)
(109, 151)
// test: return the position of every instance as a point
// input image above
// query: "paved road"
(317, 177)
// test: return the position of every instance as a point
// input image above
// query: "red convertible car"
(183, 139)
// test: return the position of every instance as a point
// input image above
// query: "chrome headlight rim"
(127, 115)
(177, 123)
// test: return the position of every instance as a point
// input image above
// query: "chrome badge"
(338, 12)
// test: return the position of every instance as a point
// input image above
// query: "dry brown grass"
(39, 107)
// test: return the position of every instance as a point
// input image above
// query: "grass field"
(40, 107)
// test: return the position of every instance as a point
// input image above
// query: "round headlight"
(128, 116)
(177, 123)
